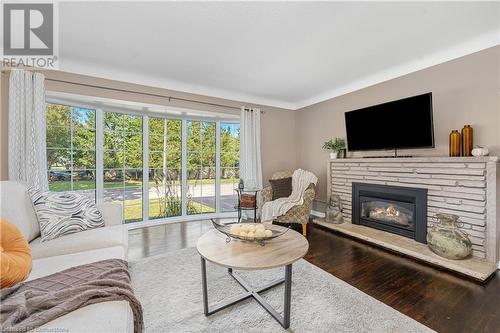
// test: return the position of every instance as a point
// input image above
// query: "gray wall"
(465, 91)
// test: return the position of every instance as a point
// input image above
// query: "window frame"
(146, 113)
(218, 160)
(123, 167)
(71, 149)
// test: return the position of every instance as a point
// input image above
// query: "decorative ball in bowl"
(250, 232)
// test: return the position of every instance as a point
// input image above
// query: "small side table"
(253, 192)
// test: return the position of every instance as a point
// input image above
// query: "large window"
(230, 165)
(122, 156)
(71, 149)
(156, 167)
(201, 167)
(165, 168)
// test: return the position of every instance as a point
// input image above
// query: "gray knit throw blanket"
(29, 305)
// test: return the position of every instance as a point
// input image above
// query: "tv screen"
(401, 124)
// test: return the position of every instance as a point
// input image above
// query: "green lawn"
(59, 186)
(133, 209)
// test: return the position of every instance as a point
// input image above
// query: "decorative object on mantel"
(446, 240)
(337, 147)
(467, 140)
(334, 210)
(455, 143)
(480, 151)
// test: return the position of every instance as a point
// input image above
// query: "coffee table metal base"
(249, 292)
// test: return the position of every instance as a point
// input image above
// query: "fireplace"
(396, 209)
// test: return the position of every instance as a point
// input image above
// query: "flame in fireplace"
(389, 211)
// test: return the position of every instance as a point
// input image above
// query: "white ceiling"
(287, 54)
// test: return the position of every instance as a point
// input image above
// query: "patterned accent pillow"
(282, 188)
(63, 213)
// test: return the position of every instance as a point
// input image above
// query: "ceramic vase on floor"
(446, 240)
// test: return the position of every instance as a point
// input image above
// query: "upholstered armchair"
(298, 214)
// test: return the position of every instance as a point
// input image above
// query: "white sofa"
(75, 249)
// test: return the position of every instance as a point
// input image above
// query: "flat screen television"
(402, 124)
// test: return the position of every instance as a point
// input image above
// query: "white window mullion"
(217, 167)
(145, 168)
(99, 156)
(184, 168)
(71, 138)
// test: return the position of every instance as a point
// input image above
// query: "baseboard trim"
(317, 214)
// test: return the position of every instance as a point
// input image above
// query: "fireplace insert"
(396, 209)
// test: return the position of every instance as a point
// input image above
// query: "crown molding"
(130, 76)
(480, 43)
(483, 42)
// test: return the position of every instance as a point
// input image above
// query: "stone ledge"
(474, 268)
(442, 159)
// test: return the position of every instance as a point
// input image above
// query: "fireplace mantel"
(465, 186)
(420, 159)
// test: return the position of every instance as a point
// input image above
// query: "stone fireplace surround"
(465, 186)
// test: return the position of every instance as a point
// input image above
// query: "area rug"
(169, 288)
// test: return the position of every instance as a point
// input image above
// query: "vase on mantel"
(446, 240)
(467, 140)
(455, 143)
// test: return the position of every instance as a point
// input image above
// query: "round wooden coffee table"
(240, 255)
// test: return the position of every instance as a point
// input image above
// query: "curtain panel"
(27, 128)
(250, 156)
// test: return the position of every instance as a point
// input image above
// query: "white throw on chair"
(297, 207)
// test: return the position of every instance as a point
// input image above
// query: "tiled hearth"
(465, 186)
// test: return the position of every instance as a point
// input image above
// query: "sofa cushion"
(63, 213)
(112, 213)
(17, 208)
(282, 188)
(109, 317)
(102, 317)
(81, 241)
(15, 255)
(51, 265)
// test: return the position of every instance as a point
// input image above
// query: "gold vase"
(454, 143)
(467, 140)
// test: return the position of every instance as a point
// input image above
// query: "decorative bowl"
(226, 230)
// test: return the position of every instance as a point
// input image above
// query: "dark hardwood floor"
(437, 299)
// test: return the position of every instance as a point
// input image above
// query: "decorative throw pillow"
(15, 257)
(282, 188)
(63, 213)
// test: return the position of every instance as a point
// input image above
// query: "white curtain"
(27, 155)
(250, 159)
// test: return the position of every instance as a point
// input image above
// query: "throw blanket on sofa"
(31, 304)
(301, 179)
